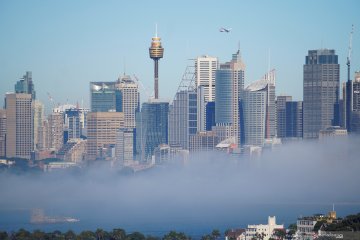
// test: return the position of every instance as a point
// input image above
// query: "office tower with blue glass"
(321, 91)
(26, 85)
(103, 96)
(152, 128)
(229, 86)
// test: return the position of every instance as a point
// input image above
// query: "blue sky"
(67, 44)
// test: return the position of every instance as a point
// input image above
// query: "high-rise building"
(101, 131)
(281, 114)
(124, 149)
(103, 96)
(294, 119)
(355, 115)
(201, 109)
(129, 99)
(38, 122)
(73, 123)
(152, 128)
(183, 118)
(258, 105)
(156, 52)
(254, 108)
(321, 91)
(19, 125)
(26, 85)
(205, 72)
(210, 115)
(229, 85)
(73, 150)
(2, 132)
(55, 131)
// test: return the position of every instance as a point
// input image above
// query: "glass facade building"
(321, 91)
(152, 128)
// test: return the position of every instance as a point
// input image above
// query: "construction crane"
(146, 90)
(349, 93)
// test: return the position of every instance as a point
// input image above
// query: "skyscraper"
(19, 125)
(128, 100)
(152, 128)
(156, 52)
(205, 73)
(294, 119)
(229, 85)
(38, 122)
(73, 122)
(183, 118)
(321, 91)
(124, 149)
(102, 96)
(355, 115)
(2, 132)
(281, 114)
(101, 130)
(258, 104)
(55, 131)
(26, 85)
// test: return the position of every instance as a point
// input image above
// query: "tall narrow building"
(128, 100)
(55, 131)
(321, 91)
(156, 52)
(355, 115)
(2, 132)
(39, 118)
(229, 86)
(281, 114)
(294, 119)
(19, 125)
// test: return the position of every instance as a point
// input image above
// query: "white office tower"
(229, 86)
(124, 148)
(259, 118)
(127, 99)
(205, 73)
(38, 124)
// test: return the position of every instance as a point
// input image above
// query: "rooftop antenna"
(333, 207)
(269, 58)
(124, 66)
(155, 29)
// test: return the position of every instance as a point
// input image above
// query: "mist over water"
(212, 190)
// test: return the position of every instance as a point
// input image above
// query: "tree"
(22, 234)
(70, 235)
(86, 235)
(215, 234)
(172, 235)
(279, 233)
(3, 235)
(118, 234)
(135, 236)
(37, 234)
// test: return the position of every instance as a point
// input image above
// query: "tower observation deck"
(156, 52)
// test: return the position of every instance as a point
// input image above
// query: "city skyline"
(84, 41)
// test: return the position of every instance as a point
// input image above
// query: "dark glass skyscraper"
(26, 85)
(321, 91)
(210, 115)
(152, 128)
(103, 96)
